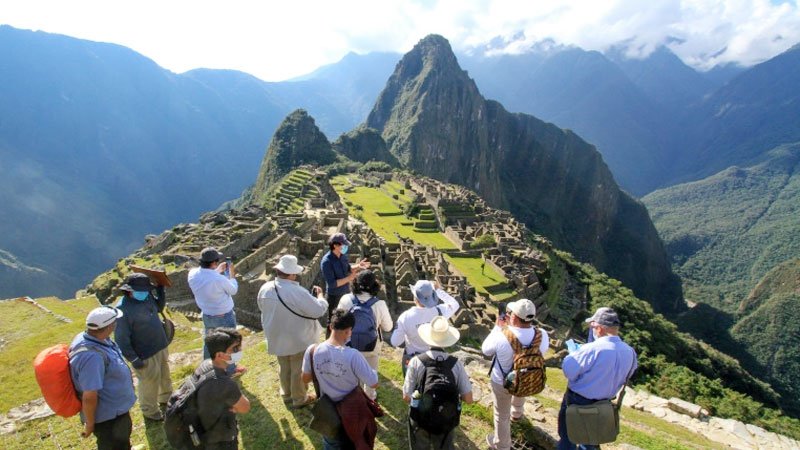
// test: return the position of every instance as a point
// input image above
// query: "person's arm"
(464, 384)
(122, 336)
(242, 406)
(399, 334)
(161, 298)
(346, 280)
(450, 306)
(327, 272)
(229, 285)
(411, 380)
(467, 398)
(363, 371)
(307, 375)
(577, 362)
(386, 318)
(489, 346)
(89, 407)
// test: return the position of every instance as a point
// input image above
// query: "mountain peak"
(297, 141)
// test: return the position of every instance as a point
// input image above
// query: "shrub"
(484, 240)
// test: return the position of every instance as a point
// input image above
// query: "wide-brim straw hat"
(438, 333)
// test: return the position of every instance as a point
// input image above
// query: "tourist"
(365, 290)
(426, 306)
(339, 370)
(103, 381)
(596, 371)
(337, 271)
(141, 338)
(219, 399)
(516, 322)
(213, 284)
(289, 316)
(438, 418)
(590, 336)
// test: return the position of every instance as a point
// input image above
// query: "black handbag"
(325, 419)
(169, 327)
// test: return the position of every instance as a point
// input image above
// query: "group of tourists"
(343, 368)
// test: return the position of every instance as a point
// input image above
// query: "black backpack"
(182, 418)
(439, 409)
(365, 331)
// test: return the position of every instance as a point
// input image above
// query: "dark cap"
(137, 282)
(607, 318)
(338, 238)
(210, 254)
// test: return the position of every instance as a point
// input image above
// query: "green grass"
(470, 267)
(375, 200)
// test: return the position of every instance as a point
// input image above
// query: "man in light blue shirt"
(596, 371)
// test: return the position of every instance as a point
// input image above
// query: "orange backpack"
(55, 381)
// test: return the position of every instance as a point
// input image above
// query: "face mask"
(140, 295)
(344, 249)
(235, 358)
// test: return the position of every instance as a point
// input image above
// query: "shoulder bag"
(325, 419)
(596, 423)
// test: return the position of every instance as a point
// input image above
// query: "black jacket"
(140, 333)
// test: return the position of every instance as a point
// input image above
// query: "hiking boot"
(518, 418)
(157, 418)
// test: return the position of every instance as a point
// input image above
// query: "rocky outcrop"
(296, 142)
(435, 121)
(363, 145)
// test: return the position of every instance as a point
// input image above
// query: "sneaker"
(310, 398)
(490, 442)
(518, 419)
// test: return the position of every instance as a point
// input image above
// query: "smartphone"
(501, 310)
(228, 263)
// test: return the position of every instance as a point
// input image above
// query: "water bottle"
(195, 437)
(415, 397)
(510, 378)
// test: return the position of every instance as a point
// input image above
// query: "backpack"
(51, 367)
(365, 331)
(527, 376)
(182, 417)
(439, 408)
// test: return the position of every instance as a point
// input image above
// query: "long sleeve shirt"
(600, 368)
(213, 292)
(285, 332)
(496, 344)
(140, 332)
(335, 268)
(412, 318)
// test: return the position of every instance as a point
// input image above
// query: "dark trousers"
(114, 434)
(419, 439)
(571, 398)
(229, 445)
(333, 303)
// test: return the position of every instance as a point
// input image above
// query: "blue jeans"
(571, 398)
(336, 443)
(227, 320)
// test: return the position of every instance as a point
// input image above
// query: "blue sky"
(280, 40)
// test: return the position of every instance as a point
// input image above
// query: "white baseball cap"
(102, 317)
(524, 309)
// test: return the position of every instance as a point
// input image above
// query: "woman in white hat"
(438, 334)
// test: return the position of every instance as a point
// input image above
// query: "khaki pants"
(505, 405)
(292, 386)
(155, 385)
(373, 358)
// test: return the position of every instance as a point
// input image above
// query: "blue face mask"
(345, 248)
(140, 295)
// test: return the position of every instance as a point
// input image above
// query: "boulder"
(684, 407)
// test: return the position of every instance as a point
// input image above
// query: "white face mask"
(235, 357)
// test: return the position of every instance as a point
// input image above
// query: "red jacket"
(358, 420)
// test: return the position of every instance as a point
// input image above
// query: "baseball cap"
(524, 309)
(608, 318)
(102, 317)
(338, 238)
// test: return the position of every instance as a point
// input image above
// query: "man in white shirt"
(289, 318)
(213, 290)
(426, 300)
(518, 318)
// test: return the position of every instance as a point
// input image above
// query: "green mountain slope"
(435, 121)
(727, 231)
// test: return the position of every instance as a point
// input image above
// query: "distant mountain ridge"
(435, 121)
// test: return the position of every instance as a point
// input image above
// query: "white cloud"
(277, 40)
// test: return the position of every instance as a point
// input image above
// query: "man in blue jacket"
(337, 272)
(141, 337)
